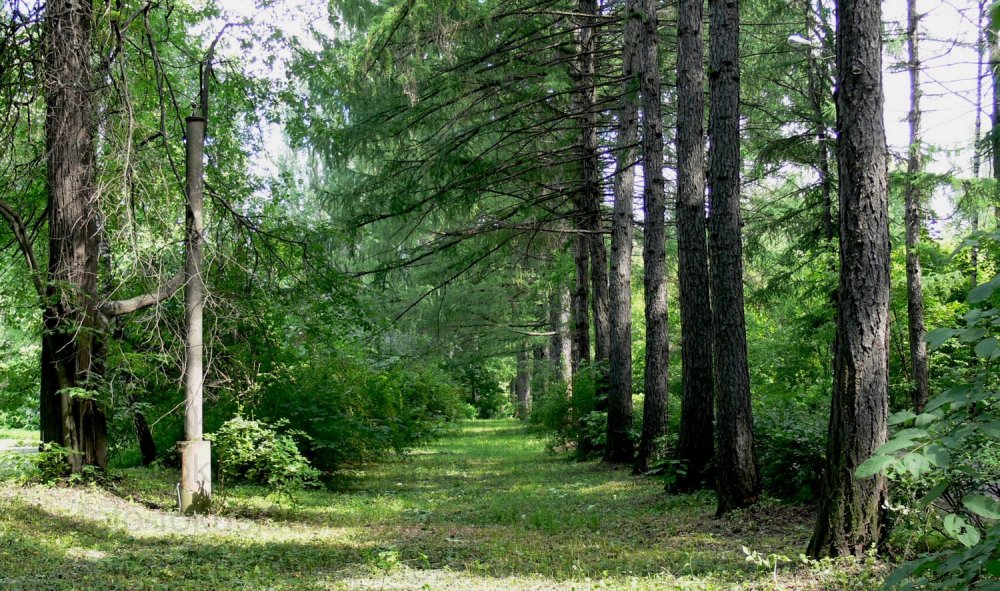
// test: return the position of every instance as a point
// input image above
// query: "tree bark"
(522, 385)
(619, 447)
(737, 479)
(70, 417)
(851, 510)
(559, 344)
(590, 187)
(914, 222)
(657, 382)
(696, 441)
(580, 334)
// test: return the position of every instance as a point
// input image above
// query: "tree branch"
(24, 242)
(140, 302)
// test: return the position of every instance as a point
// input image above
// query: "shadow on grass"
(491, 502)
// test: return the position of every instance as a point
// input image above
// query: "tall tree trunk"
(559, 344)
(522, 385)
(540, 369)
(696, 442)
(977, 155)
(819, 92)
(580, 310)
(737, 479)
(619, 447)
(851, 510)
(993, 38)
(69, 344)
(914, 219)
(657, 383)
(590, 188)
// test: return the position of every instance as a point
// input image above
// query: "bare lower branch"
(140, 302)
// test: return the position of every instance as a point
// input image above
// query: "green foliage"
(791, 444)
(481, 383)
(949, 456)
(255, 452)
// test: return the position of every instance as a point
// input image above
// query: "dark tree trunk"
(590, 187)
(737, 478)
(580, 312)
(696, 443)
(559, 344)
(851, 510)
(69, 347)
(914, 219)
(147, 446)
(619, 447)
(540, 369)
(654, 408)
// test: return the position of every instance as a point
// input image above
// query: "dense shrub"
(355, 411)
(791, 442)
(254, 452)
(483, 391)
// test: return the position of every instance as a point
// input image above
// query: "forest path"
(484, 508)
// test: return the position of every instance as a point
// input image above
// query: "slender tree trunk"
(851, 510)
(590, 188)
(994, 43)
(737, 478)
(580, 316)
(540, 369)
(522, 385)
(657, 383)
(559, 344)
(620, 448)
(914, 222)
(977, 155)
(819, 92)
(696, 442)
(69, 344)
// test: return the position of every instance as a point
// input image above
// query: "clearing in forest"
(484, 508)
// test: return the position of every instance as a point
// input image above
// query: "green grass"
(19, 435)
(485, 508)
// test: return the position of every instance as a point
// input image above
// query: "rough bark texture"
(657, 384)
(914, 219)
(619, 447)
(994, 43)
(69, 345)
(850, 510)
(590, 187)
(580, 310)
(696, 441)
(559, 344)
(737, 478)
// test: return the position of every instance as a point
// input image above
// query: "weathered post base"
(196, 477)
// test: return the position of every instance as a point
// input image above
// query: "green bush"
(254, 452)
(791, 444)
(354, 411)
(950, 455)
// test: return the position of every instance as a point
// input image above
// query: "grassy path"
(483, 509)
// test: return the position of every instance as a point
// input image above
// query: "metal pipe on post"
(196, 452)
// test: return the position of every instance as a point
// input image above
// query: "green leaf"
(872, 466)
(958, 528)
(971, 334)
(912, 433)
(916, 464)
(938, 336)
(992, 429)
(987, 347)
(982, 505)
(898, 418)
(938, 455)
(926, 419)
(933, 494)
(955, 394)
(980, 293)
(893, 445)
(993, 567)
